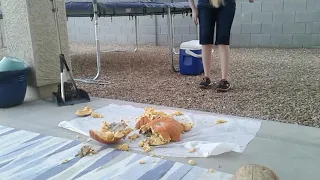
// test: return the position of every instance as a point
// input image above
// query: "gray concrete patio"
(290, 150)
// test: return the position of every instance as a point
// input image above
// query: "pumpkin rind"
(142, 121)
(168, 128)
(98, 136)
(110, 133)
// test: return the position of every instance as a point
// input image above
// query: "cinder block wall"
(264, 23)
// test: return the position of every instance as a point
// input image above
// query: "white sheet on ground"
(206, 136)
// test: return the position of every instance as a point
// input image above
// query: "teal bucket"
(13, 82)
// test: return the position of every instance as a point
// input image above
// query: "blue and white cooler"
(190, 58)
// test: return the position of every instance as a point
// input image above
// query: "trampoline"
(96, 9)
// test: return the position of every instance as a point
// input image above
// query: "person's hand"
(251, 1)
(195, 16)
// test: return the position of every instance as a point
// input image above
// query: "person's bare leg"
(206, 58)
(224, 54)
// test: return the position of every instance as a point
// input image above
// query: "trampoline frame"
(171, 49)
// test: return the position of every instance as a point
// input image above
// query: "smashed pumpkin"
(86, 111)
(96, 115)
(110, 133)
(161, 130)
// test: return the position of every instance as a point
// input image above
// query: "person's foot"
(223, 85)
(205, 83)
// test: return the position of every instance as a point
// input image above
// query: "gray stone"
(311, 4)
(238, 7)
(181, 29)
(122, 39)
(109, 38)
(132, 40)
(283, 17)
(240, 18)
(272, 28)
(307, 16)
(240, 39)
(103, 29)
(272, 6)
(294, 28)
(317, 4)
(177, 39)
(294, 5)
(127, 30)
(147, 39)
(146, 21)
(262, 17)
(316, 39)
(260, 39)
(302, 39)
(115, 29)
(281, 39)
(193, 29)
(188, 37)
(164, 29)
(236, 28)
(147, 30)
(313, 27)
(251, 7)
(251, 28)
(162, 39)
(290, 46)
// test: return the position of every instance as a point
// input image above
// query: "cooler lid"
(192, 45)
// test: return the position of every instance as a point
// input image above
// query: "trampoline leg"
(136, 31)
(170, 40)
(95, 79)
(174, 49)
(97, 46)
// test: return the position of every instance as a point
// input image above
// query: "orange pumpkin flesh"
(142, 121)
(163, 129)
(168, 128)
(110, 133)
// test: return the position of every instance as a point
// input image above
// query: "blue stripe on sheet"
(194, 173)
(57, 169)
(5, 163)
(65, 147)
(8, 132)
(39, 157)
(180, 173)
(103, 160)
(35, 138)
(24, 147)
(136, 158)
(158, 171)
(26, 159)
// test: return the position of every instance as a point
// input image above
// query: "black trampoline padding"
(107, 8)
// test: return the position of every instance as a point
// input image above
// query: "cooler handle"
(193, 54)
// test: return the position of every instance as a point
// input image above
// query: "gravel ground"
(272, 84)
